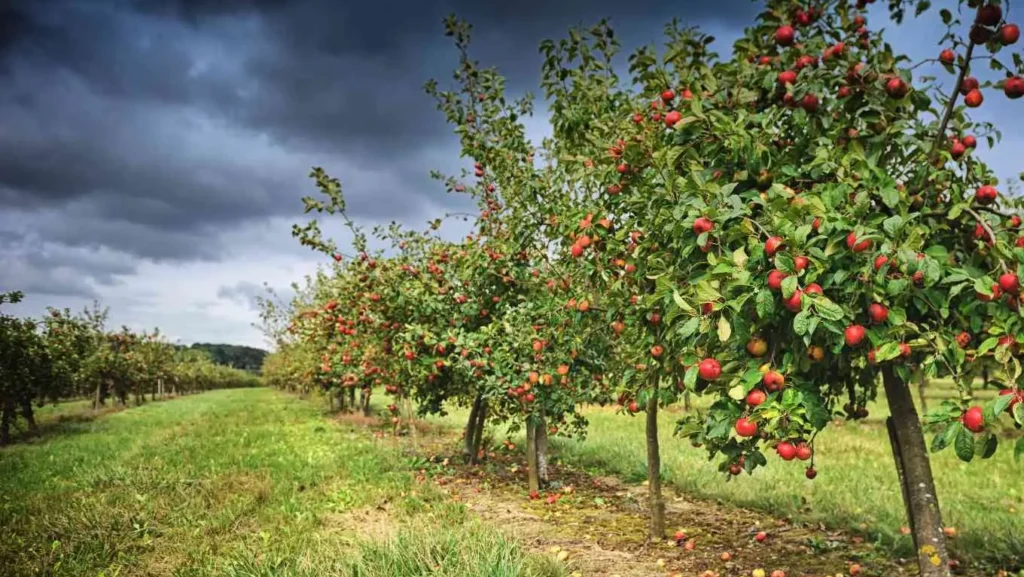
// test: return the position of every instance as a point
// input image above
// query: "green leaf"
(945, 438)
(892, 224)
(690, 378)
(890, 196)
(947, 16)
(724, 329)
(989, 344)
(765, 303)
(964, 445)
(737, 393)
(887, 352)
(739, 256)
(801, 322)
(678, 299)
(828, 309)
(689, 327)
(785, 263)
(789, 285)
(999, 404)
(986, 446)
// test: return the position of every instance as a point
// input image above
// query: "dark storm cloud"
(154, 126)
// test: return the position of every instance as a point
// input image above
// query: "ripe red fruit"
(957, 150)
(880, 261)
(633, 407)
(947, 56)
(680, 536)
(785, 35)
(813, 289)
(905, 349)
(996, 293)
(772, 245)
(746, 427)
(786, 450)
(1015, 221)
(970, 83)
(622, 168)
(709, 369)
(774, 381)
(657, 350)
(854, 334)
(703, 224)
(803, 451)
(809, 103)
(530, 398)
(878, 313)
(989, 15)
(1009, 282)
(896, 88)
(873, 356)
(787, 77)
(775, 279)
(854, 245)
(974, 98)
(756, 397)
(1009, 34)
(1014, 87)
(576, 250)
(970, 141)
(761, 536)
(800, 263)
(735, 469)
(672, 118)
(974, 420)
(844, 92)
(793, 303)
(963, 339)
(986, 194)
(811, 473)
(668, 95)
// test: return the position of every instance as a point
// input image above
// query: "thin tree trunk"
(470, 433)
(29, 415)
(478, 432)
(6, 419)
(352, 398)
(330, 401)
(657, 503)
(98, 398)
(364, 400)
(916, 479)
(531, 456)
(542, 451)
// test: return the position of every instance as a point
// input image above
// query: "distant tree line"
(237, 356)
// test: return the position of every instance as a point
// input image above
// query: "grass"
(856, 488)
(246, 482)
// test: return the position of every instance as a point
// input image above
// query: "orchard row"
(68, 356)
(780, 231)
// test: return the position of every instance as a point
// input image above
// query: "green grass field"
(246, 482)
(856, 488)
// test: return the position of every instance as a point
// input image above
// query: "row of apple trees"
(69, 356)
(784, 231)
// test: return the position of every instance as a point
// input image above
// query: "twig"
(953, 97)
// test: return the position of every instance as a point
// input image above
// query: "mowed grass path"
(856, 488)
(247, 482)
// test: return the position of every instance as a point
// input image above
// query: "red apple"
(794, 302)
(746, 427)
(974, 98)
(785, 35)
(1009, 283)
(811, 473)
(986, 194)
(813, 289)
(756, 397)
(709, 369)
(787, 77)
(854, 334)
(703, 224)
(974, 420)
(947, 56)
(775, 279)
(855, 245)
(878, 312)
(1014, 87)
(989, 15)
(773, 244)
(672, 118)
(969, 83)
(1009, 34)
(896, 88)
(970, 141)
(786, 450)
(880, 261)
(803, 451)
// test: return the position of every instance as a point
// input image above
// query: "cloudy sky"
(153, 153)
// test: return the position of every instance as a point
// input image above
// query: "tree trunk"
(531, 455)
(330, 401)
(542, 451)
(352, 398)
(657, 503)
(478, 432)
(98, 398)
(29, 415)
(470, 433)
(915, 472)
(364, 400)
(6, 419)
